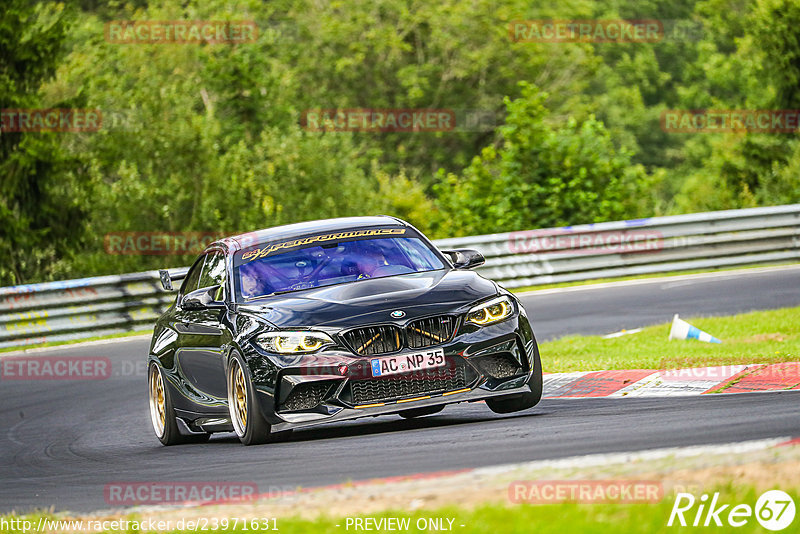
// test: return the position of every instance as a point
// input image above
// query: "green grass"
(564, 518)
(756, 337)
(642, 277)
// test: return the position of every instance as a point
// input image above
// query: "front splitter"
(518, 385)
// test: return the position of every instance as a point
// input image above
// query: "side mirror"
(166, 280)
(465, 258)
(168, 277)
(203, 298)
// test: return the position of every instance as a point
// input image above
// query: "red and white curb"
(674, 382)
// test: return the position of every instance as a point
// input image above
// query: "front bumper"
(496, 360)
(300, 419)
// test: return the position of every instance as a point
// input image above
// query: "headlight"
(491, 312)
(294, 342)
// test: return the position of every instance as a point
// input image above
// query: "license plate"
(408, 362)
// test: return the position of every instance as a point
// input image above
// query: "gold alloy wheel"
(240, 396)
(158, 410)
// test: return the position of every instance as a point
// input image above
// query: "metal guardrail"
(656, 245)
(74, 309)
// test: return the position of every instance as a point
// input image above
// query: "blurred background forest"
(207, 137)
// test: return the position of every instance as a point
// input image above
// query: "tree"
(541, 175)
(40, 217)
(752, 66)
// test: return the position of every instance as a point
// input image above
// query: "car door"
(203, 337)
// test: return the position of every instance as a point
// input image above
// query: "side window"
(213, 272)
(192, 277)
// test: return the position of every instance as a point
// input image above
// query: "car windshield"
(265, 271)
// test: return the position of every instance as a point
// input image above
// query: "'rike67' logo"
(774, 510)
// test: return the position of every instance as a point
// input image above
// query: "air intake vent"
(305, 396)
(497, 365)
(430, 331)
(399, 386)
(374, 340)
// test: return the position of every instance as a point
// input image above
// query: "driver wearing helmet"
(371, 258)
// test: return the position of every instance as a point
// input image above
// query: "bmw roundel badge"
(398, 314)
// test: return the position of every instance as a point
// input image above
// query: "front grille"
(430, 331)
(497, 365)
(374, 340)
(409, 385)
(305, 396)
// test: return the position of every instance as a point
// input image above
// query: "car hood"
(372, 301)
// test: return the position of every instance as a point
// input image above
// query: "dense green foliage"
(542, 175)
(38, 215)
(207, 137)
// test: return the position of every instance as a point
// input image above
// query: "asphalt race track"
(61, 442)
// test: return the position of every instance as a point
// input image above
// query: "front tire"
(248, 423)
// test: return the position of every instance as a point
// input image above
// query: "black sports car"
(329, 320)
